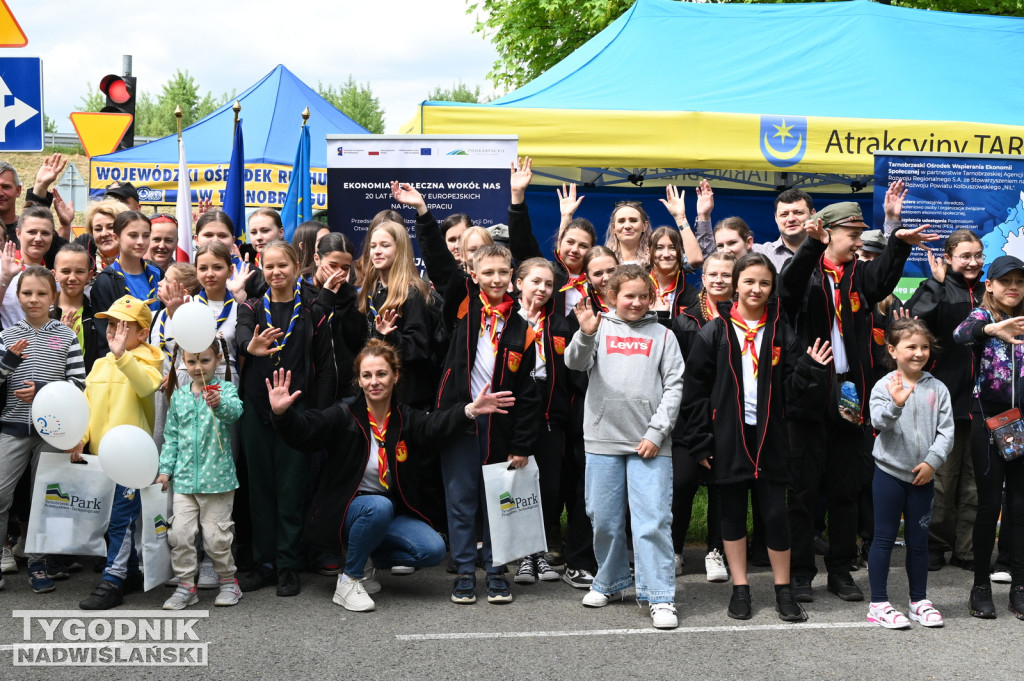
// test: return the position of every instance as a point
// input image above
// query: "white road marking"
(631, 632)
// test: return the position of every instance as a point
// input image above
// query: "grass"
(28, 164)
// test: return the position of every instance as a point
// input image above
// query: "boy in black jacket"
(491, 344)
(826, 293)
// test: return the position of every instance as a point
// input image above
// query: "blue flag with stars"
(298, 203)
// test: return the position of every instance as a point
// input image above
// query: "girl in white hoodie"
(636, 384)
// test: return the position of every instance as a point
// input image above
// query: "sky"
(403, 48)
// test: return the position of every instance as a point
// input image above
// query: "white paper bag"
(154, 522)
(513, 511)
(71, 505)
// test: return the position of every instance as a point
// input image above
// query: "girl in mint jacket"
(196, 456)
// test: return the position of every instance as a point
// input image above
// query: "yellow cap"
(129, 309)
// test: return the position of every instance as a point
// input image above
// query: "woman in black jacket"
(368, 498)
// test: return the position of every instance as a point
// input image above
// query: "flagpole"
(178, 114)
(237, 108)
(305, 116)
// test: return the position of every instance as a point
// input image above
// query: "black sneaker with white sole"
(527, 573)
(498, 589)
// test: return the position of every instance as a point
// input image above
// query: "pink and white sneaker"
(884, 615)
(924, 612)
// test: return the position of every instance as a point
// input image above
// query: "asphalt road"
(417, 633)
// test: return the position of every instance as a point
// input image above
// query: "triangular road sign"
(11, 34)
(100, 133)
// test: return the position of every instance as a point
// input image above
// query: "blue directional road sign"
(21, 104)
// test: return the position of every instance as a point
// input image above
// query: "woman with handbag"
(994, 330)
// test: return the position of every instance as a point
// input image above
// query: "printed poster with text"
(467, 174)
(955, 191)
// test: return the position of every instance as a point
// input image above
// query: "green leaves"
(356, 101)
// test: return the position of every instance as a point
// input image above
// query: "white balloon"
(129, 456)
(60, 414)
(194, 327)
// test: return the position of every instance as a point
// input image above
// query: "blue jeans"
(122, 557)
(895, 498)
(648, 483)
(372, 529)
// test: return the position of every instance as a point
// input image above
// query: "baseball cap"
(122, 190)
(129, 309)
(842, 214)
(1003, 265)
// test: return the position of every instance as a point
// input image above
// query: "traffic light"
(120, 94)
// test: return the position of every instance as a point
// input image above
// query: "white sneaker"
(924, 612)
(884, 615)
(351, 595)
(370, 583)
(402, 570)
(999, 576)
(664, 615)
(229, 593)
(182, 597)
(596, 599)
(19, 548)
(7, 562)
(679, 563)
(208, 579)
(714, 565)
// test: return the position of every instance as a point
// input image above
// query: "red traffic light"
(115, 89)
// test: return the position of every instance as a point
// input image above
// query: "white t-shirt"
(572, 296)
(749, 380)
(10, 310)
(839, 358)
(483, 366)
(540, 369)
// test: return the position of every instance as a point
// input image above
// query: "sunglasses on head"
(163, 216)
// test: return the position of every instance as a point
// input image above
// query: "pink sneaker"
(884, 615)
(924, 612)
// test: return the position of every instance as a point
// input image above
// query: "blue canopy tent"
(271, 118)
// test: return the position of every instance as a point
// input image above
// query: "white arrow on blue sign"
(21, 104)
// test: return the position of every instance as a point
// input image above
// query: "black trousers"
(579, 541)
(687, 477)
(826, 457)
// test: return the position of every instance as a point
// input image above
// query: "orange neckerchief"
(379, 434)
(491, 313)
(749, 332)
(836, 271)
(539, 330)
(579, 283)
(658, 292)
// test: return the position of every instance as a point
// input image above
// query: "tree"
(531, 36)
(92, 100)
(49, 125)
(460, 92)
(357, 102)
(155, 117)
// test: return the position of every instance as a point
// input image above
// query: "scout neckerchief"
(749, 332)
(660, 293)
(282, 342)
(836, 272)
(229, 302)
(578, 282)
(379, 434)
(492, 313)
(538, 328)
(116, 266)
(162, 338)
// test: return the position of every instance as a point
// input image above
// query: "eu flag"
(298, 203)
(234, 193)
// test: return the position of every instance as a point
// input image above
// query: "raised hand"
(236, 284)
(899, 392)
(48, 173)
(894, 197)
(568, 203)
(203, 206)
(522, 173)
(705, 201)
(9, 265)
(587, 318)
(386, 322)
(172, 294)
(815, 229)
(408, 195)
(18, 348)
(68, 319)
(937, 265)
(262, 344)
(277, 393)
(492, 403)
(916, 236)
(119, 340)
(673, 201)
(65, 210)
(821, 352)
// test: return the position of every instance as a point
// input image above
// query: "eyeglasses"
(967, 259)
(719, 275)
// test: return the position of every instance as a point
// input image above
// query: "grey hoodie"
(636, 384)
(920, 430)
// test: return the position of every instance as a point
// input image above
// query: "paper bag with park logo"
(513, 511)
(154, 523)
(71, 505)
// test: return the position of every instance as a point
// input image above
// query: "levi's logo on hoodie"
(628, 346)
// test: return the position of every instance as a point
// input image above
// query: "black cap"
(1003, 265)
(122, 190)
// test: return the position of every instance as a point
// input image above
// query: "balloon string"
(216, 428)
